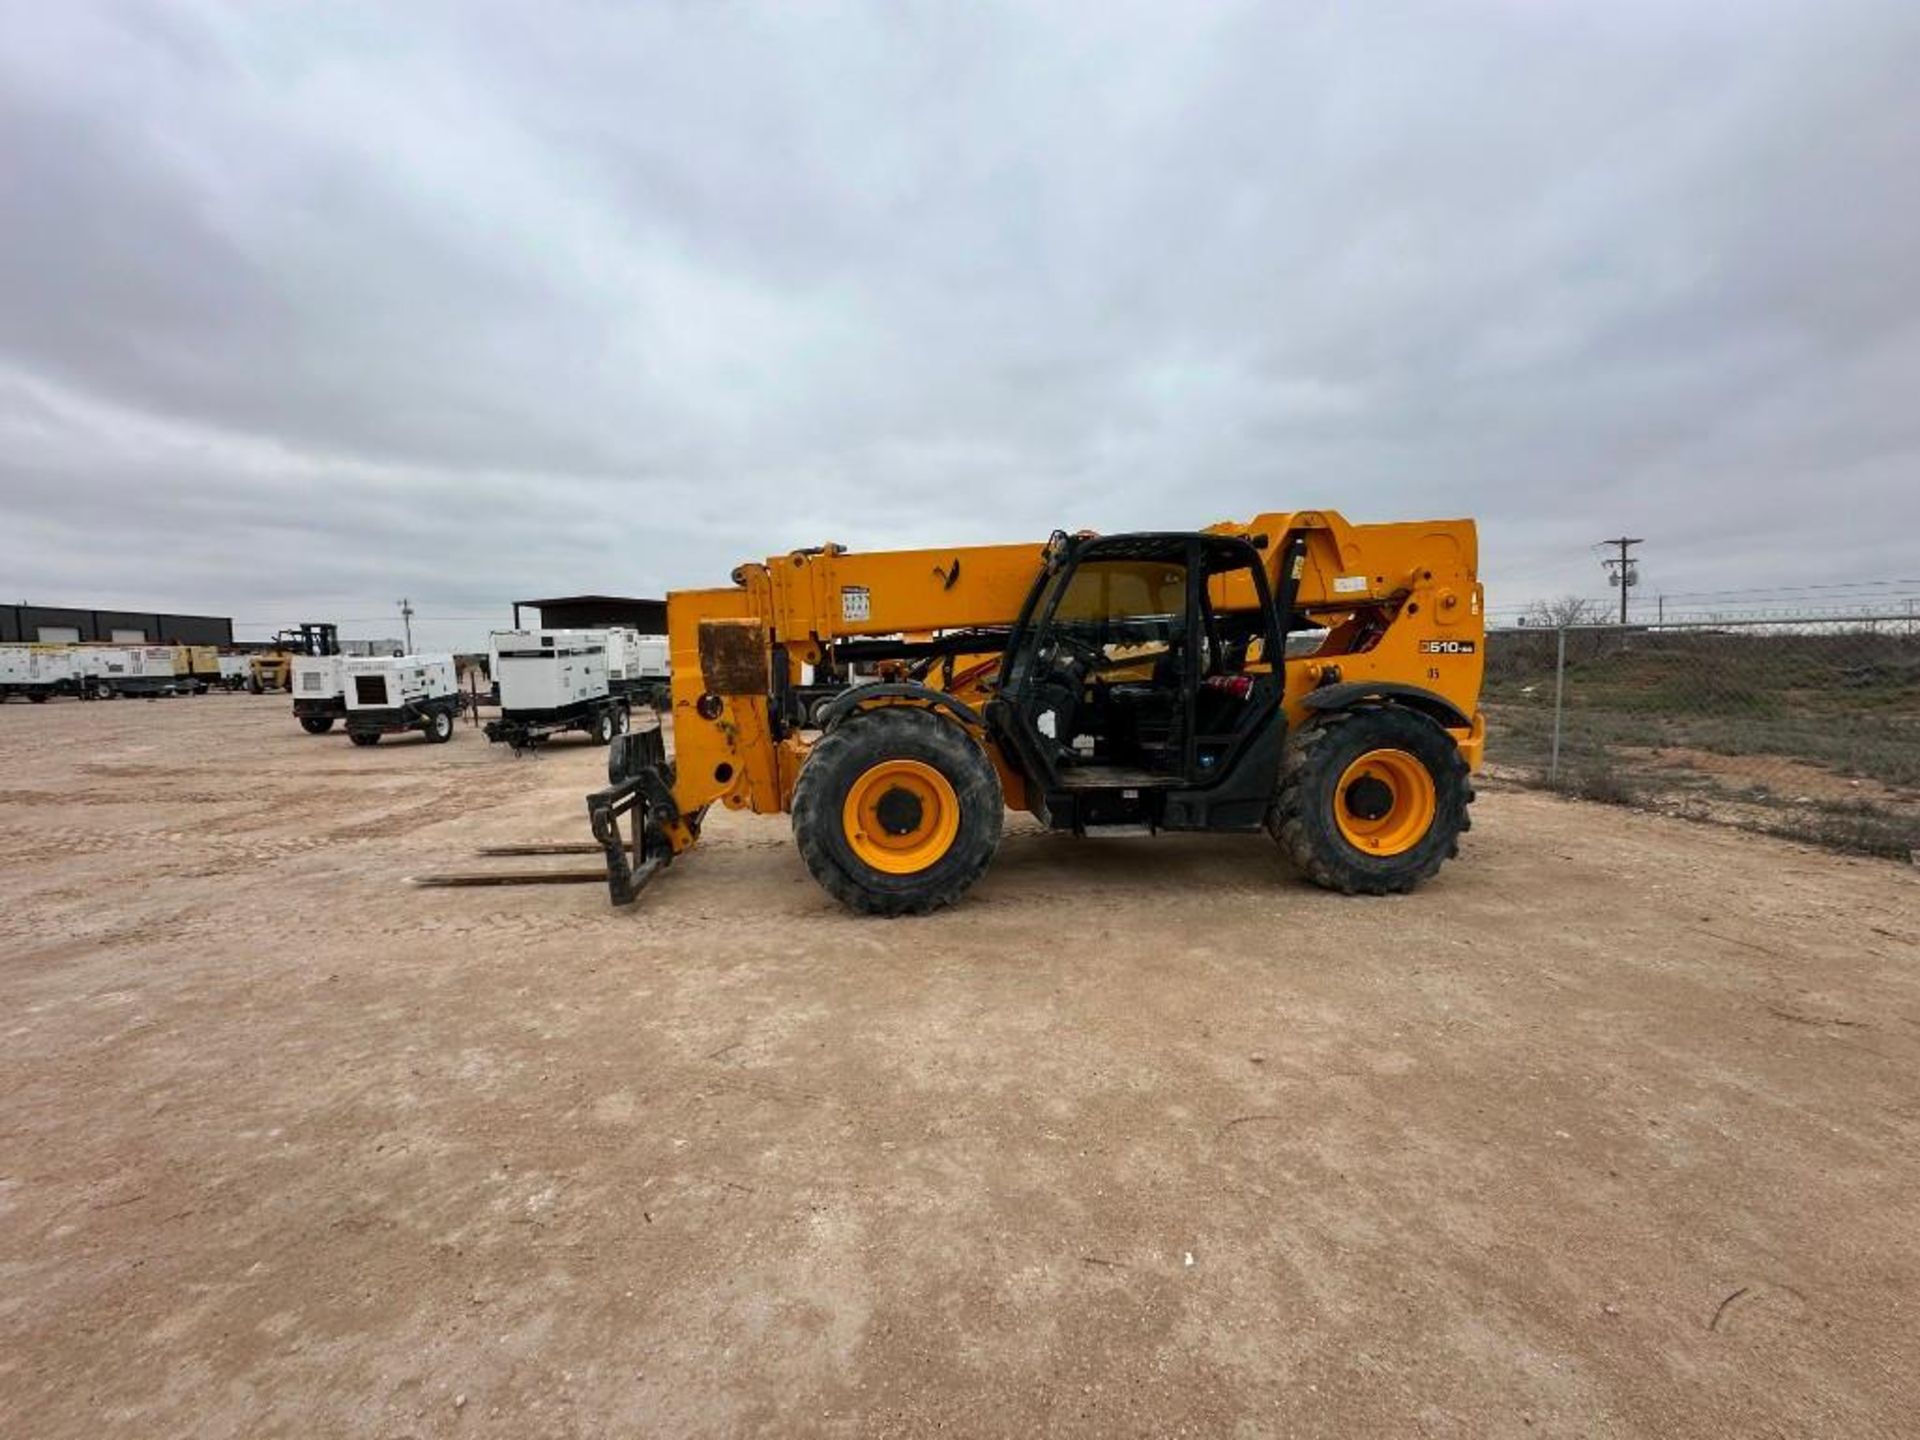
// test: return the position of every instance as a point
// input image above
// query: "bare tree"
(1567, 610)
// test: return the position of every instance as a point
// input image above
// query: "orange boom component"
(1296, 674)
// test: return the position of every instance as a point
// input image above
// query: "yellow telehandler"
(1296, 674)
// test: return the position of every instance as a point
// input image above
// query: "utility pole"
(406, 619)
(1624, 572)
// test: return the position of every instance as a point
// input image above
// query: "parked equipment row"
(101, 672)
(548, 682)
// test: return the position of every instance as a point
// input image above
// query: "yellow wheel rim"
(901, 816)
(1385, 802)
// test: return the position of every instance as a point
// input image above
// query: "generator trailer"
(317, 677)
(553, 681)
(394, 694)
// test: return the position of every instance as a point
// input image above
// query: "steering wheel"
(1069, 656)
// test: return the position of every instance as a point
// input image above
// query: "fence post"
(1559, 694)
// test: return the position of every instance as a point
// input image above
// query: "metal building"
(60, 624)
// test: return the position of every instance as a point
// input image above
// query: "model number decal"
(1446, 647)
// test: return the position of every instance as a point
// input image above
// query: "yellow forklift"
(272, 670)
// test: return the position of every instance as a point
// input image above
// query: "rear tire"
(316, 724)
(439, 728)
(1371, 801)
(602, 731)
(364, 737)
(897, 812)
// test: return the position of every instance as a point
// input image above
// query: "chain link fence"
(1803, 727)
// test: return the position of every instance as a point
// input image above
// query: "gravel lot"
(1611, 1131)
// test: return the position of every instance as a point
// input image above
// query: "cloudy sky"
(305, 308)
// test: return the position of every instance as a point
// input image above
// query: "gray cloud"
(301, 310)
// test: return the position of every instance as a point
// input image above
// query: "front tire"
(1371, 801)
(364, 737)
(316, 724)
(602, 731)
(439, 728)
(897, 812)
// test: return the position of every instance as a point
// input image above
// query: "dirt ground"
(1613, 1130)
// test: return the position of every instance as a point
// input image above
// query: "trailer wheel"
(622, 720)
(37, 698)
(364, 737)
(897, 812)
(316, 724)
(1372, 801)
(602, 731)
(102, 690)
(439, 728)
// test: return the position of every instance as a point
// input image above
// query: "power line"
(1791, 589)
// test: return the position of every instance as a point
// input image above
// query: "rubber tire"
(36, 698)
(364, 737)
(102, 690)
(849, 750)
(602, 731)
(622, 720)
(316, 724)
(438, 728)
(1318, 754)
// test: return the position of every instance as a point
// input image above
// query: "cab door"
(1144, 684)
(1095, 690)
(1237, 726)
